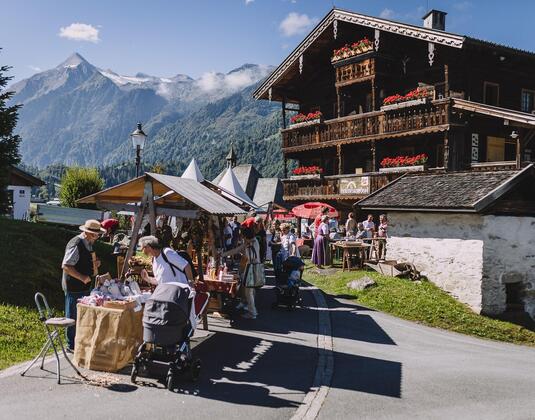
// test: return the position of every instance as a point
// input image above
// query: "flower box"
(415, 168)
(350, 50)
(310, 176)
(306, 123)
(406, 104)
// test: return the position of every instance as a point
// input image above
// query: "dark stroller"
(168, 324)
(288, 275)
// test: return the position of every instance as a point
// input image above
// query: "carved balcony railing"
(336, 186)
(355, 72)
(377, 124)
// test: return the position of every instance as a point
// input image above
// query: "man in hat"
(77, 268)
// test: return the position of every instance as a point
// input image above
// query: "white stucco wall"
(447, 247)
(469, 255)
(21, 201)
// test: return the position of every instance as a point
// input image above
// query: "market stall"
(199, 210)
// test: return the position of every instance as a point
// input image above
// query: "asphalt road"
(383, 368)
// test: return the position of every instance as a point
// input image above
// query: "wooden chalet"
(472, 111)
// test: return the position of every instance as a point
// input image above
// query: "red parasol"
(312, 209)
(283, 215)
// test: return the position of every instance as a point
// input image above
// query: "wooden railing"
(336, 185)
(377, 123)
(353, 72)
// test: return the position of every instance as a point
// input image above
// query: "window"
(491, 93)
(22, 193)
(527, 103)
(500, 149)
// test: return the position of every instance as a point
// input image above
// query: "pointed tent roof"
(230, 183)
(193, 172)
(231, 157)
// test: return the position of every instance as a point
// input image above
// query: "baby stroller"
(169, 320)
(287, 281)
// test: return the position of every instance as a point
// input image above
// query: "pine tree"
(9, 143)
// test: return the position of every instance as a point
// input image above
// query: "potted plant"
(307, 172)
(404, 163)
(306, 119)
(414, 97)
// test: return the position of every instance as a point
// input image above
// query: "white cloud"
(34, 68)
(248, 2)
(80, 32)
(463, 6)
(296, 24)
(233, 81)
(387, 14)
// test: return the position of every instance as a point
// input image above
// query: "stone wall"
(447, 248)
(469, 255)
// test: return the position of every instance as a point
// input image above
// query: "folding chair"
(53, 327)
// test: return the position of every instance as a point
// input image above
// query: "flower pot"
(308, 176)
(405, 104)
(306, 123)
(415, 168)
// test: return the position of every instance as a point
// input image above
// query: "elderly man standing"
(78, 267)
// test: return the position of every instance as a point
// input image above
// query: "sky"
(165, 37)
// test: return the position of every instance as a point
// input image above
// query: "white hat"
(92, 226)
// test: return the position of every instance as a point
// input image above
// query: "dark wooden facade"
(477, 115)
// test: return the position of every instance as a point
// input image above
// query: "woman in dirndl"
(321, 254)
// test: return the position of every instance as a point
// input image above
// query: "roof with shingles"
(463, 191)
(268, 190)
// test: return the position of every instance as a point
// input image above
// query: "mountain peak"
(74, 60)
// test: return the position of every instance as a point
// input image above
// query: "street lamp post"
(514, 135)
(138, 142)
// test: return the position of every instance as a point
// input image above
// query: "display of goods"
(311, 116)
(138, 261)
(399, 161)
(307, 170)
(350, 50)
(418, 93)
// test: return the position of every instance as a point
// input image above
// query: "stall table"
(106, 339)
(218, 290)
(350, 249)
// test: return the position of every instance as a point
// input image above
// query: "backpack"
(174, 266)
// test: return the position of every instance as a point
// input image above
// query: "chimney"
(435, 19)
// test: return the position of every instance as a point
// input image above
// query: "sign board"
(358, 185)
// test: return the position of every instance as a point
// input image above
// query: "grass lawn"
(31, 262)
(422, 302)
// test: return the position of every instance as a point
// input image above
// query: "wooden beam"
(446, 81)
(339, 156)
(160, 210)
(446, 151)
(149, 196)
(135, 234)
(284, 112)
(374, 156)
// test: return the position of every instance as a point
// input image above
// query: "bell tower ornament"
(335, 29)
(301, 64)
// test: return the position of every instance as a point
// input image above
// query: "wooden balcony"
(429, 117)
(336, 187)
(355, 72)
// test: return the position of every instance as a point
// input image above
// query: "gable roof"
(17, 176)
(472, 191)
(268, 190)
(330, 21)
(186, 189)
(339, 15)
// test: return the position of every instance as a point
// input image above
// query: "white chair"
(53, 327)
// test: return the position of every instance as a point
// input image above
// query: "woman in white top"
(288, 242)
(167, 265)
(321, 254)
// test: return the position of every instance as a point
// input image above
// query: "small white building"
(19, 189)
(472, 233)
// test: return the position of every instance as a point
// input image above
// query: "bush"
(77, 183)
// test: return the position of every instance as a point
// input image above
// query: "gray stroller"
(168, 324)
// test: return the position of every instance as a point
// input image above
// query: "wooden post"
(374, 156)
(446, 81)
(149, 194)
(337, 102)
(446, 151)
(284, 112)
(285, 167)
(373, 94)
(340, 162)
(298, 227)
(518, 152)
(135, 234)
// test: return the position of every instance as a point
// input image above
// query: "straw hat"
(92, 226)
